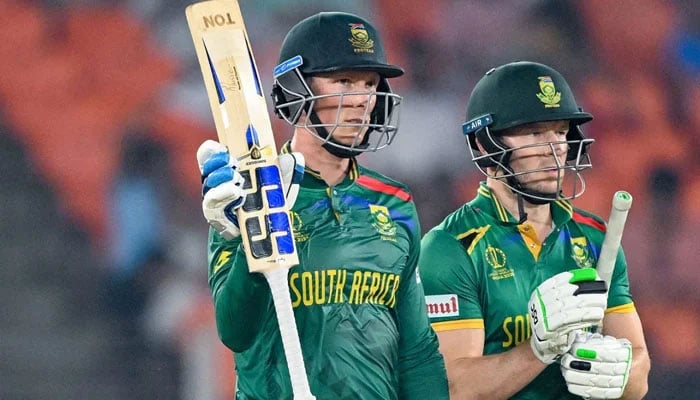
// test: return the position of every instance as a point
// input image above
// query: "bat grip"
(277, 279)
(621, 203)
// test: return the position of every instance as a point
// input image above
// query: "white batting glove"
(222, 185)
(597, 366)
(564, 303)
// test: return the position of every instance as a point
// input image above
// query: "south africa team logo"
(548, 93)
(382, 222)
(580, 253)
(360, 39)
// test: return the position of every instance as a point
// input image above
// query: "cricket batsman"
(510, 277)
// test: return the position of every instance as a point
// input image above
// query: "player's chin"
(349, 136)
(544, 186)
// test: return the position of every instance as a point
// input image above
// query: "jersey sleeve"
(619, 297)
(241, 299)
(422, 372)
(450, 282)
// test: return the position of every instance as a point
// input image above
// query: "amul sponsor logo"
(442, 305)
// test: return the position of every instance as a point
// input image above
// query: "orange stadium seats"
(182, 137)
(75, 95)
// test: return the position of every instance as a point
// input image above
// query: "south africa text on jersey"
(343, 286)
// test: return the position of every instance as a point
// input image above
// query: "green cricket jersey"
(479, 268)
(359, 306)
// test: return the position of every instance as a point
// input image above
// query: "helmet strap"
(521, 209)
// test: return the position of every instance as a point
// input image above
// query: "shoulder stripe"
(582, 219)
(459, 324)
(470, 238)
(379, 186)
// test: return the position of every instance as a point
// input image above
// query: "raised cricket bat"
(621, 203)
(243, 125)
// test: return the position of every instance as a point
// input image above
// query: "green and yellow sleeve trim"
(459, 324)
(623, 309)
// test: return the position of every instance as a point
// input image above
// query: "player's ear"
(312, 84)
(484, 162)
(479, 146)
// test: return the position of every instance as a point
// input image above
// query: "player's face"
(539, 155)
(349, 103)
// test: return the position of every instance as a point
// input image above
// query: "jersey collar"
(562, 210)
(312, 178)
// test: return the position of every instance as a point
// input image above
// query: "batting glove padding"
(597, 366)
(564, 303)
(222, 185)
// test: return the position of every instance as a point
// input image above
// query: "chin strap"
(521, 209)
(524, 195)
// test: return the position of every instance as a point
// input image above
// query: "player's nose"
(364, 100)
(553, 144)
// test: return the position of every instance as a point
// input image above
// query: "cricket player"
(359, 306)
(510, 278)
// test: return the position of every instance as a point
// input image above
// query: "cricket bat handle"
(277, 279)
(621, 203)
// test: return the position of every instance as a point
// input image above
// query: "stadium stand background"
(103, 278)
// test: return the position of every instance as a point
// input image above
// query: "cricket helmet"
(330, 42)
(521, 93)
